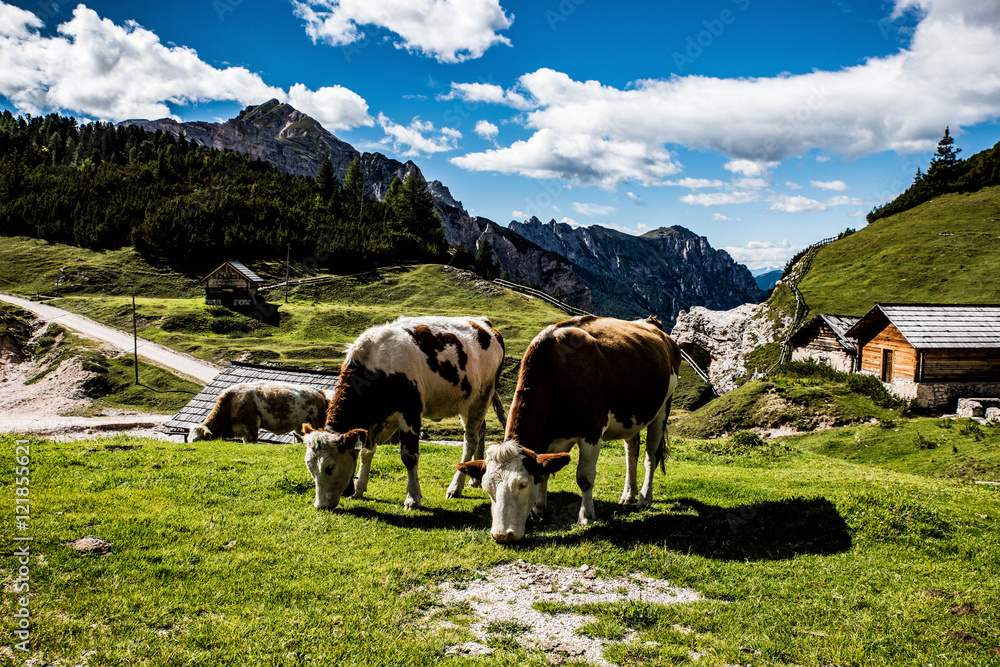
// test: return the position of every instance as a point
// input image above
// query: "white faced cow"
(241, 410)
(582, 381)
(393, 376)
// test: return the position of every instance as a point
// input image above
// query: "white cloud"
(488, 93)
(696, 183)
(762, 254)
(592, 210)
(750, 167)
(718, 217)
(823, 158)
(570, 221)
(587, 132)
(636, 199)
(721, 198)
(450, 31)
(750, 183)
(856, 214)
(799, 204)
(487, 130)
(96, 68)
(519, 215)
(414, 137)
(792, 185)
(836, 186)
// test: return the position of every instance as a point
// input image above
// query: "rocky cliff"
(289, 139)
(661, 272)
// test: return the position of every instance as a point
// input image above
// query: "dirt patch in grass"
(507, 604)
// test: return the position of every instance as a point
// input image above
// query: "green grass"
(314, 327)
(944, 251)
(219, 558)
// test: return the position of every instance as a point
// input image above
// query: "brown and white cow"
(392, 377)
(241, 410)
(581, 381)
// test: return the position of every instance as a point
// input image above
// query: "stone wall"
(941, 396)
(839, 361)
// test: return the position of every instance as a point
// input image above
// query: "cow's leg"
(538, 511)
(376, 437)
(586, 473)
(409, 451)
(480, 453)
(631, 463)
(656, 448)
(475, 433)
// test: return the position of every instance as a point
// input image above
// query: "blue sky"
(763, 126)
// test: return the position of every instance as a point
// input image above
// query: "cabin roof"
(241, 268)
(934, 326)
(839, 324)
(198, 407)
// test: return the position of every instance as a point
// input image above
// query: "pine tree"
(485, 265)
(944, 163)
(326, 182)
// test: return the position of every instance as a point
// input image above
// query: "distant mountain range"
(609, 272)
(766, 278)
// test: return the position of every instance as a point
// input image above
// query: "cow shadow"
(771, 530)
(426, 518)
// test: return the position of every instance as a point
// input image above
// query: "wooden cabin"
(824, 339)
(932, 354)
(231, 284)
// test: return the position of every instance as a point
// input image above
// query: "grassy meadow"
(805, 554)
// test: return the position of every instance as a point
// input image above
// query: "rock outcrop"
(727, 337)
(662, 272)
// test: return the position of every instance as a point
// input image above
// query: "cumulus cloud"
(487, 93)
(99, 69)
(636, 199)
(450, 31)
(718, 217)
(721, 198)
(487, 130)
(592, 210)
(836, 186)
(588, 132)
(414, 139)
(798, 204)
(791, 185)
(696, 183)
(762, 254)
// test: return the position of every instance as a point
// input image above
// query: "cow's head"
(511, 475)
(200, 432)
(331, 458)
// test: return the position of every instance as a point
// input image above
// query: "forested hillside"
(101, 186)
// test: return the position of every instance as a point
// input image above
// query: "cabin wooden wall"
(904, 364)
(965, 365)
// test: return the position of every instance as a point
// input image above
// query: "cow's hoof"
(626, 499)
(584, 521)
(411, 505)
(644, 502)
(453, 493)
(357, 495)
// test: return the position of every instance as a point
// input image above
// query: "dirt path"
(182, 364)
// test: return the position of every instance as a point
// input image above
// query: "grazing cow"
(241, 410)
(581, 381)
(393, 376)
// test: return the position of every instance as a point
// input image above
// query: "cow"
(241, 410)
(581, 381)
(394, 376)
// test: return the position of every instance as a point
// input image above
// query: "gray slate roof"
(241, 268)
(838, 323)
(199, 407)
(939, 326)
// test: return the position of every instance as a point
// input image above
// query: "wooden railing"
(538, 294)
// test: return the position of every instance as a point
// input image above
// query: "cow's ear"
(474, 469)
(307, 428)
(552, 463)
(353, 440)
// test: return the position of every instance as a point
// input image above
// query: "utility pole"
(288, 268)
(135, 341)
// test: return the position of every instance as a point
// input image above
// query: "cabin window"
(886, 365)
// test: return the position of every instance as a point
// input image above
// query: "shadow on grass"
(427, 518)
(762, 531)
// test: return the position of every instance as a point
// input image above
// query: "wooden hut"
(933, 354)
(824, 339)
(231, 284)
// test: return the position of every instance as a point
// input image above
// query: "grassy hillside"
(944, 251)
(219, 558)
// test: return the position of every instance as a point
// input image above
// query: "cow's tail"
(498, 408)
(665, 447)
